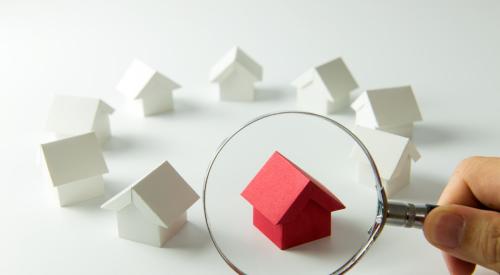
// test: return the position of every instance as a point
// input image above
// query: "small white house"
(326, 88)
(235, 75)
(73, 115)
(392, 154)
(153, 209)
(149, 90)
(393, 110)
(75, 167)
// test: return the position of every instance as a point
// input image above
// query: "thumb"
(469, 234)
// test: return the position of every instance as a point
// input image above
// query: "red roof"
(280, 190)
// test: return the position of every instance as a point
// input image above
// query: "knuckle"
(467, 164)
(491, 243)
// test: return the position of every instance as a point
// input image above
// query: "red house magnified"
(289, 206)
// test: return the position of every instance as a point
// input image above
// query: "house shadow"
(90, 206)
(273, 93)
(117, 144)
(429, 134)
(113, 187)
(347, 237)
(124, 143)
(182, 106)
(422, 189)
(191, 236)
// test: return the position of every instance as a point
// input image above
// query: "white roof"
(161, 196)
(74, 114)
(134, 83)
(390, 106)
(75, 158)
(386, 149)
(232, 58)
(335, 76)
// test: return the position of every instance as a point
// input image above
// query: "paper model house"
(325, 88)
(75, 167)
(393, 155)
(392, 110)
(149, 90)
(289, 206)
(235, 75)
(73, 115)
(153, 209)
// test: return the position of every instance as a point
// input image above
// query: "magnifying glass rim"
(382, 204)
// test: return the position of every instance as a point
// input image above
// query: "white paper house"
(325, 88)
(75, 167)
(73, 115)
(149, 90)
(392, 110)
(153, 209)
(235, 75)
(393, 155)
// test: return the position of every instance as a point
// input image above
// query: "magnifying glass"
(281, 196)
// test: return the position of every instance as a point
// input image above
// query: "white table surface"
(449, 51)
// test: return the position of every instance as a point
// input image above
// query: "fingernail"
(449, 230)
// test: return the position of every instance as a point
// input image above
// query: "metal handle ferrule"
(407, 214)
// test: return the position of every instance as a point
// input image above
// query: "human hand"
(466, 225)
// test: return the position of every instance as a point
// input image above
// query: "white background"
(449, 51)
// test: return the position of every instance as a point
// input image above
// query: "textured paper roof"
(161, 196)
(74, 158)
(335, 76)
(391, 106)
(70, 115)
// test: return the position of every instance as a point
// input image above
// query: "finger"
(457, 266)
(475, 183)
(469, 234)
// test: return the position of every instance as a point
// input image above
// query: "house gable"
(387, 150)
(312, 223)
(234, 57)
(158, 84)
(135, 78)
(161, 196)
(280, 191)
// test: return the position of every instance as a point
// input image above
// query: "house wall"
(102, 128)
(365, 174)
(312, 97)
(311, 224)
(132, 225)
(401, 177)
(237, 86)
(365, 117)
(167, 234)
(340, 103)
(399, 180)
(271, 231)
(80, 190)
(157, 103)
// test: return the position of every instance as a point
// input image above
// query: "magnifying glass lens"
(286, 221)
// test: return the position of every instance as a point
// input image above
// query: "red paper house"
(289, 206)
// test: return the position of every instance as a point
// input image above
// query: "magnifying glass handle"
(408, 214)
